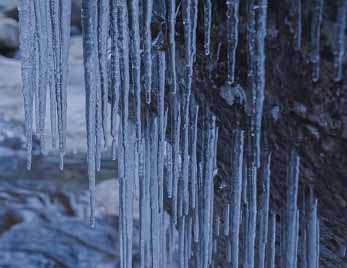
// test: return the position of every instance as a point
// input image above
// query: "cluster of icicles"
(156, 148)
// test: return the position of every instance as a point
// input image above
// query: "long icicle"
(291, 213)
(26, 26)
(340, 38)
(207, 26)
(147, 47)
(125, 85)
(232, 34)
(136, 61)
(264, 215)
(187, 22)
(236, 186)
(89, 22)
(271, 254)
(114, 75)
(315, 37)
(103, 35)
(298, 25)
(64, 28)
(172, 44)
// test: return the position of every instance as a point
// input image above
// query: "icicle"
(176, 115)
(340, 38)
(42, 52)
(181, 233)
(147, 61)
(26, 26)
(65, 15)
(298, 25)
(208, 191)
(296, 237)
(161, 125)
(154, 195)
(232, 33)
(103, 34)
(291, 213)
(114, 75)
(123, 46)
(264, 215)
(172, 44)
(196, 220)
(236, 188)
(226, 220)
(272, 242)
(89, 19)
(187, 22)
(194, 167)
(315, 37)
(207, 25)
(303, 232)
(217, 225)
(136, 61)
(312, 241)
(194, 18)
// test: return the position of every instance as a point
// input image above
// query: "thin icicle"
(207, 26)
(26, 26)
(208, 191)
(89, 19)
(154, 195)
(194, 18)
(147, 47)
(114, 75)
(298, 25)
(161, 126)
(271, 254)
(291, 213)
(297, 227)
(258, 94)
(340, 38)
(264, 214)
(194, 166)
(251, 205)
(232, 33)
(172, 44)
(226, 220)
(42, 83)
(103, 34)
(312, 252)
(136, 61)
(317, 14)
(187, 22)
(176, 116)
(236, 187)
(64, 28)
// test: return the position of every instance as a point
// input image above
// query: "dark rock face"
(312, 116)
